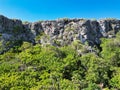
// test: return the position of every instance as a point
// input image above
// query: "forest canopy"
(36, 67)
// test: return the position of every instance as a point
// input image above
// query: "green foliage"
(110, 18)
(17, 30)
(69, 29)
(35, 67)
(115, 81)
(65, 19)
(25, 22)
(41, 21)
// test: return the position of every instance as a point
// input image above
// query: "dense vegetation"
(36, 67)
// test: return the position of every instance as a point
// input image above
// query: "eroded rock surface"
(56, 32)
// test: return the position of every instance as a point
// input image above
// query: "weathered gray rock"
(61, 31)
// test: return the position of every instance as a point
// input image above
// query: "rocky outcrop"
(13, 33)
(56, 32)
(65, 31)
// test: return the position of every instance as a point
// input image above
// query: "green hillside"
(36, 67)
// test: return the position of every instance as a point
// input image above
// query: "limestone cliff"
(56, 32)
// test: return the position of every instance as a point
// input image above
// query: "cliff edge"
(55, 32)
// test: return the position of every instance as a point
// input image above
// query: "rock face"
(57, 32)
(65, 31)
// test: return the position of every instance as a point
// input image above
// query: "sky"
(35, 10)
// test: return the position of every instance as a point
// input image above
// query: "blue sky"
(34, 10)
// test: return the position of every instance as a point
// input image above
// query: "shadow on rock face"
(56, 32)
